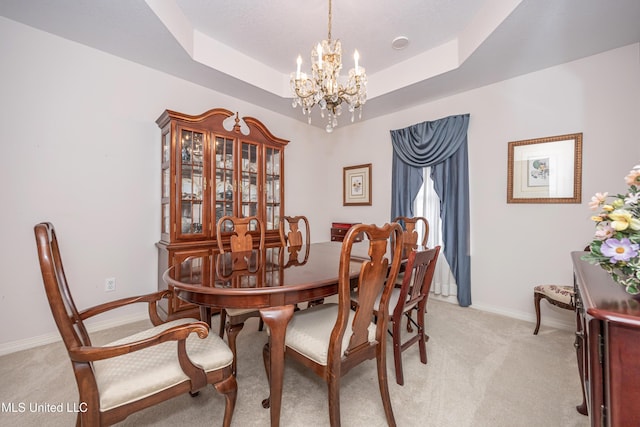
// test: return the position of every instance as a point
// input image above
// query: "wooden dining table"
(271, 280)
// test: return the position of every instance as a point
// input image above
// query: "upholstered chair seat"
(239, 311)
(309, 331)
(125, 378)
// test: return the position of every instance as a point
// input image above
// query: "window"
(427, 204)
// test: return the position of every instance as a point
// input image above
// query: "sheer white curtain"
(427, 204)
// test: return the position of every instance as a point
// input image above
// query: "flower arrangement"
(616, 243)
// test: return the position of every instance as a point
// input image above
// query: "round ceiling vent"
(400, 43)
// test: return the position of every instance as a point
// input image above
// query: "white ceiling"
(247, 48)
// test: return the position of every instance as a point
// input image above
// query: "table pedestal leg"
(277, 319)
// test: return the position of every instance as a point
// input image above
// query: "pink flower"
(633, 178)
(604, 232)
(597, 200)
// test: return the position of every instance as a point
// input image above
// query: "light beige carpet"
(483, 370)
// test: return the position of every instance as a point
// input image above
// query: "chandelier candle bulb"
(299, 62)
(319, 50)
(356, 56)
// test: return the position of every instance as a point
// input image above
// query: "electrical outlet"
(110, 284)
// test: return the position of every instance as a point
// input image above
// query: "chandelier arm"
(302, 96)
(343, 91)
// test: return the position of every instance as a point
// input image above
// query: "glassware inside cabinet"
(249, 209)
(191, 181)
(224, 172)
(191, 217)
(272, 187)
(166, 183)
(249, 184)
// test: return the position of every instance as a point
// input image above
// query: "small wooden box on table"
(339, 231)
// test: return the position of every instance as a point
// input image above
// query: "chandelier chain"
(330, 18)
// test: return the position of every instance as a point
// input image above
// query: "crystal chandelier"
(324, 87)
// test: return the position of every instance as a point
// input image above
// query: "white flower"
(632, 199)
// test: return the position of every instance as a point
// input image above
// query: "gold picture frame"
(545, 170)
(356, 185)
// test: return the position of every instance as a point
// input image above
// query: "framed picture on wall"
(356, 186)
(545, 170)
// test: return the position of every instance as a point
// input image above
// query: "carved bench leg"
(536, 302)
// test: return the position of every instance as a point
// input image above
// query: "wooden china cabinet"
(214, 164)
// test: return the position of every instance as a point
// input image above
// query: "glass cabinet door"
(273, 162)
(191, 182)
(249, 184)
(165, 201)
(224, 172)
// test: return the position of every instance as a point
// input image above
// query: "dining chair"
(293, 240)
(294, 237)
(242, 231)
(139, 371)
(330, 338)
(411, 240)
(241, 239)
(410, 232)
(412, 295)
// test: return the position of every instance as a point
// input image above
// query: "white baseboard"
(27, 343)
(568, 325)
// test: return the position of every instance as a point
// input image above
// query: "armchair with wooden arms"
(142, 370)
(331, 339)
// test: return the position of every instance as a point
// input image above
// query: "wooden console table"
(607, 346)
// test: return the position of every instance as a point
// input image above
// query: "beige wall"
(81, 149)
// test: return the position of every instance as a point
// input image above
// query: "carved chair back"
(242, 233)
(293, 236)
